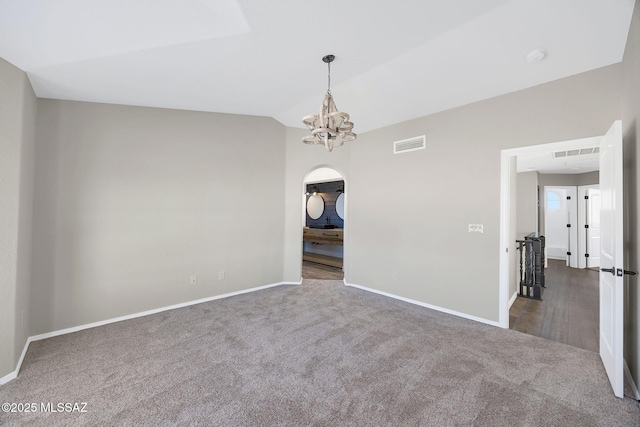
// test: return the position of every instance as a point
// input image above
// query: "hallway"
(568, 312)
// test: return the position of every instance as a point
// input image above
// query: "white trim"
(12, 375)
(513, 298)
(634, 388)
(505, 218)
(423, 304)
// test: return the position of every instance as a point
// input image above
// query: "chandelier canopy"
(329, 127)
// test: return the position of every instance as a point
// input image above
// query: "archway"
(324, 219)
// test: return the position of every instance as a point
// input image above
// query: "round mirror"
(315, 206)
(340, 205)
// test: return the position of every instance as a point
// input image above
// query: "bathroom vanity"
(323, 236)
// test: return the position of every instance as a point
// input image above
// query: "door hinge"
(586, 226)
(568, 197)
(586, 197)
(569, 253)
(586, 255)
(568, 225)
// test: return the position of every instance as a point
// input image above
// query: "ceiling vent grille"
(411, 144)
(576, 152)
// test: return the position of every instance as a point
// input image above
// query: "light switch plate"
(476, 228)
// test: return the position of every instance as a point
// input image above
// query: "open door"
(611, 257)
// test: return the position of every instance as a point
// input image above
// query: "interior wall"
(589, 178)
(631, 130)
(419, 230)
(17, 140)
(527, 203)
(133, 201)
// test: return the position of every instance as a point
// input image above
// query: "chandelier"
(329, 127)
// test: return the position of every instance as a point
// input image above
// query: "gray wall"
(631, 130)
(17, 124)
(421, 232)
(132, 201)
(588, 178)
(527, 203)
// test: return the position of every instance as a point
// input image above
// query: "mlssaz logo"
(64, 407)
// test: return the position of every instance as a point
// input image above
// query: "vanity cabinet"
(329, 236)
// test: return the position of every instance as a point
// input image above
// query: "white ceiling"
(567, 157)
(395, 60)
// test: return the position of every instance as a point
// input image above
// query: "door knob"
(609, 270)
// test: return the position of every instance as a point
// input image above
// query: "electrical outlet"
(221, 275)
(194, 280)
(476, 228)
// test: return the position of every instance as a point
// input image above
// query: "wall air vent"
(411, 144)
(576, 152)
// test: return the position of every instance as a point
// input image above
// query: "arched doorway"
(323, 221)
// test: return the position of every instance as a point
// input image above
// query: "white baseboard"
(634, 387)
(423, 304)
(513, 298)
(8, 377)
(12, 375)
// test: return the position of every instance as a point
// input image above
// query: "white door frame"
(612, 353)
(583, 219)
(572, 236)
(507, 242)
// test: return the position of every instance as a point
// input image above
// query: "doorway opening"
(323, 222)
(611, 276)
(545, 183)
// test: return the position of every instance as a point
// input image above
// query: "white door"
(560, 221)
(611, 257)
(589, 226)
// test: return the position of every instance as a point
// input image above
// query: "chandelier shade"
(330, 127)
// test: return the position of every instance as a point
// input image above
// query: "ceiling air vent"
(411, 144)
(576, 152)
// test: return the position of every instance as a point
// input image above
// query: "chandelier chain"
(329, 78)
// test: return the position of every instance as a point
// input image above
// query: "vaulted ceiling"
(395, 60)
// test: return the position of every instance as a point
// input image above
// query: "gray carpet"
(316, 354)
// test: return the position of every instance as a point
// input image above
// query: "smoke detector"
(536, 55)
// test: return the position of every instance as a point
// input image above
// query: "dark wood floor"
(568, 312)
(311, 270)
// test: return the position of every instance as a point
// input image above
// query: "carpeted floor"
(316, 354)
